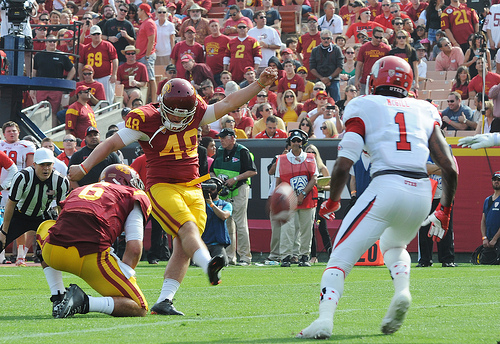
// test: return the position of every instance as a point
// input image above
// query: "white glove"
(479, 141)
(125, 268)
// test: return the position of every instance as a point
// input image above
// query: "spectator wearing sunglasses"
(454, 110)
(165, 34)
(80, 115)
(267, 37)
(119, 31)
(365, 25)
(246, 12)
(69, 148)
(310, 104)
(230, 27)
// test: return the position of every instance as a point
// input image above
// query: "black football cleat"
(56, 300)
(75, 302)
(214, 267)
(165, 308)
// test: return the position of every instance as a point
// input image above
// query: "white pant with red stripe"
(391, 209)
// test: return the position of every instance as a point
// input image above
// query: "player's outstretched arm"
(77, 172)
(480, 141)
(236, 99)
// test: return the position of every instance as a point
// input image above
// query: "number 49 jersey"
(395, 131)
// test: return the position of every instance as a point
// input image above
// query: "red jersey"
(356, 27)
(96, 88)
(181, 48)
(375, 10)
(386, 22)
(296, 84)
(137, 70)
(215, 48)
(234, 23)
(168, 151)
(100, 58)
(147, 28)
(78, 118)
(242, 55)
(245, 122)
(160, 86)
(303, 172)
(305, 45)
(5, 161)
(460, 21)
(476, 84)
(345, 14)
(64, 158)
(279, 134)
(93, 216)
(414, 14)
(369, 54)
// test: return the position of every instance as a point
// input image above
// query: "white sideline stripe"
(170, 322)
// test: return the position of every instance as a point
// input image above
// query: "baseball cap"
(226, 131)
(95, 29)
(419, 46)
(170, 67)
(88, 67)
(81, 88)
(495, 175)
(219, 90)
(213, 21)
(287, 51)
(190, 28)
(364, 9)
(297, 133)
(186, 58)
(91, 129)
(171, 4)
(43, 155)
(321, 93)
(249, 69)
(302, 69)
(362, 32)
(312, 18)
(441, 32)
(146, 8)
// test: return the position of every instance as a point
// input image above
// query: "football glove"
(329, 208)
(439, 221)
(479, 141)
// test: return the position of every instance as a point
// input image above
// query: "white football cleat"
(319, 329)
(396, 313)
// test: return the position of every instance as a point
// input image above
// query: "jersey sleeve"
(141, 197)
(5, 161)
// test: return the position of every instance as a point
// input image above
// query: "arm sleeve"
(134, 224)
(11, 172)
(129, 135)
(351, 146)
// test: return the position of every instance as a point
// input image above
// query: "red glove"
(329, 208)
(440, 220)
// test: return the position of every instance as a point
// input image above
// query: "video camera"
(212, 185)
(17, 10)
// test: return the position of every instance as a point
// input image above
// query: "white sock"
(2, 256)
(54, 280)
(26, 249)
(168, 290)
(398, 261)
(20, 252)
(104, 304)
(332, 287)
(201, 258)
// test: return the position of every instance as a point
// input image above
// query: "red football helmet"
(122, 175)
(391, 76)
(178, 98)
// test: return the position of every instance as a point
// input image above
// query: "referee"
(33, 189)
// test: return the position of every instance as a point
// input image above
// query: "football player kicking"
(167, 132)
(79, 242)
(398, 133)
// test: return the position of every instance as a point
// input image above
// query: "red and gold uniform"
(242, 55)
(78, 118)
(215, 48)
(369, 54)
(137, 70)
(296, 84)
(414, 14)
(305, 45)
(345, 14)
(99, 58)
(460, 21)
(172, 174)
(92, 217)
(375, 10)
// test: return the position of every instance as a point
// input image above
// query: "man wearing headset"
(298, 169)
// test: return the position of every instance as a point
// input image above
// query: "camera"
(330, 107)
(87, 23)
(208, 188)
(17, 10)
(212, 185)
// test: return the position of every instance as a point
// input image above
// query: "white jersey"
(396, 132)
(492, 23)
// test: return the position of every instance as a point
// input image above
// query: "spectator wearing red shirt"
(133, 75)
(80, 115)
(215, 48)
(272, 131)
(476, 84)
(385, 18)
(188, 46)
(146, 43)
(307, 42)
(242, 121)
(97, 92)
(416, 9)
(291, 81)
(69, 148)
(364, 25)
(375, 8)
(231, 26)
(196, 72)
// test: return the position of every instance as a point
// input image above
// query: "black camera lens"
(87, 22)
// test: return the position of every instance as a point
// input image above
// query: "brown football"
(282, 202)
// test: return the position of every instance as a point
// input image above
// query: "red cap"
(249, 69)
(213, 21)
(171, 4)
(186, 58)
(364, 9)
(190, 28)
(88, 67)
(81, 88)
(287, 51)
(321, 93)
(146, 8)
(219, 90)
(312, 18)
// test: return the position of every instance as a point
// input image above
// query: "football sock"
(20, 252)
(2, 256)
(332, 287)
(54, 280)
(201, 258)
(101, 304)
(168, 290)
(398, 261)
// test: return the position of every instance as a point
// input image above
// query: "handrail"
(29, 111)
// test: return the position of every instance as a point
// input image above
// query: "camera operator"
(20, 25)
(216, 236)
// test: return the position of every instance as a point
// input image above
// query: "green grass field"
(266, 304)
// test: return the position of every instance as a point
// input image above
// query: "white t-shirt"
(163, 34)
(318, 122)
(269, 36)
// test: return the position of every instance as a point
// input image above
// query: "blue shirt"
(215, 229)
(492, 216)
(467, 111)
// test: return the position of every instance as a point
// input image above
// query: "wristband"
(85, 172)
(235, 179)
(353, 193)
(213, 205)
(261, 85)
(484, 238)
(3, 232)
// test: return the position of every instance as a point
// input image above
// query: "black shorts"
(21, 224)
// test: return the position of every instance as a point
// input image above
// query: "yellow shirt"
(308, 91)
(290, 116)
(240, 134)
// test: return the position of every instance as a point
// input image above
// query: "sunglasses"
(312, 152)
(495, 179)
(261, 17)
(87, 73)
(261, 95)
(125, 10)
(401, 37)
(230, 120)
(129, 53)
(394, 12)
(322, 128)
(378, 37)
(301, 72)
(162, 12)
(51, 41)
(354, 91)
(295, 140)
(386, 5)
(326, 38)
(242, 27)
(69, 140)
(267, 110)
(349, 52)
(322, 98)
(318, 89)
(233, 14)
(289, 96)
(450, 101)
(95, 34)
(171, 72)
(86, 91)
(304, 124)
(85, 18)
(398, 23)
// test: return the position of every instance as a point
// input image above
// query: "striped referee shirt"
(33, 196)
